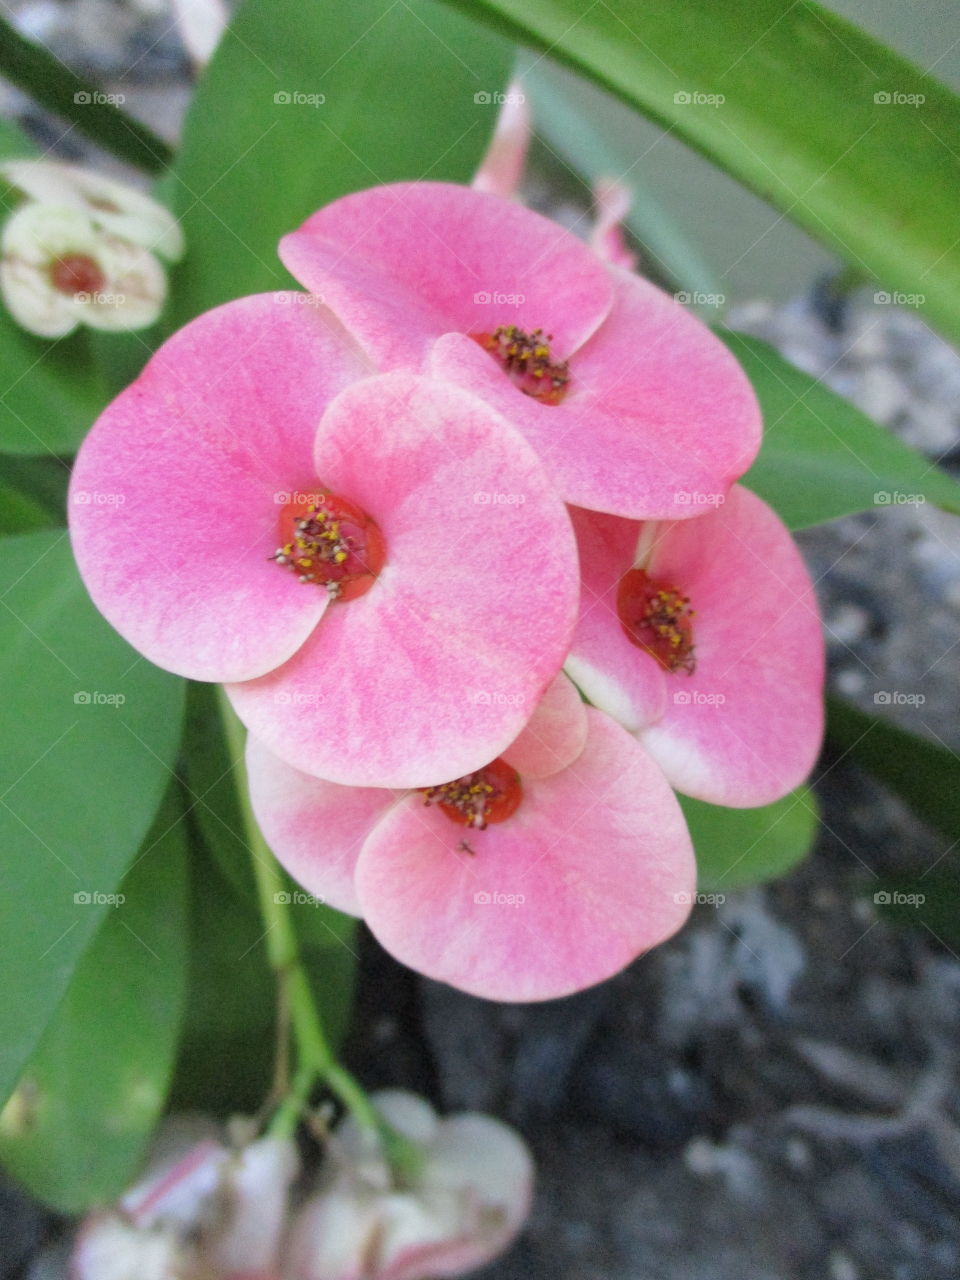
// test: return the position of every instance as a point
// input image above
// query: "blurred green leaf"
(582, 132)
(398, 84)
(227, 1052)
(57, 87)
(926, 776)
(50, 390)
(83, 776)
(737, 847)
(821, 457)
(75, 1130)
(877, 180)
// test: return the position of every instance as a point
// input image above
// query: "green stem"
(316, 1059)
(55, 86)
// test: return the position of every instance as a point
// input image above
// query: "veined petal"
(176, 492)
(593, 868)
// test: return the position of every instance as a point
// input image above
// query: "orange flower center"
(657, 618)
(527, 361)
(330, 542)
(492, 794)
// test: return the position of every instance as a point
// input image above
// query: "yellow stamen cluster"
(470, 796)
(668, 615)
(317, 541)
(527, 356)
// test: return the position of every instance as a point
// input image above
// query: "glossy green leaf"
(737, 847)
(924, 774)
(303, 103)
(50, 391)
(84, 773)
(227, 1055)
(809, 111)
(75, 1129)
(821, 457)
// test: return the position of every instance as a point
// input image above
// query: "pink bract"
(655, 405)
(593, 868)
(176, 501)
(744, 727)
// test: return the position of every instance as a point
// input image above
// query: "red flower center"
(329, 541)
(527, 361)
(657, 618)
(492, 794)
(77, 273)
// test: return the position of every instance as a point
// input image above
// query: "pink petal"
(613, 200)
(402, 264)
(431, 674)
(657, 409)
(593, 868)
(613, 673)
(173, 512)
(555, 734)
(746, 727)
(314, 828)
(501, 169)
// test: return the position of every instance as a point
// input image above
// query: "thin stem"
(316, 1058)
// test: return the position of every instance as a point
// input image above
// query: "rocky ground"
(773, 1095)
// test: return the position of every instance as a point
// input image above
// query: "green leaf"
(398, 84)
(583, 132)
(50, 391)
(926, 776)
(878, 182)
(75, 1129)
(57, 87)
(83, 776)
(737, 847)
(822, 458)
(226, 1060)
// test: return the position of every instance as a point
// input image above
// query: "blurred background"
(773, 1095)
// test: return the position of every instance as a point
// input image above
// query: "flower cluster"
(204, 1210)
(80, 249)
(478, 476)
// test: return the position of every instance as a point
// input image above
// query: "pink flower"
(501, 169)
(462, 1208)
(627, 398)
(544, 872)
(702, 637)
(377, 565)
(606, 238)
(199, 1211)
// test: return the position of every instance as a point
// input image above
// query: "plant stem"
(316, 1059)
